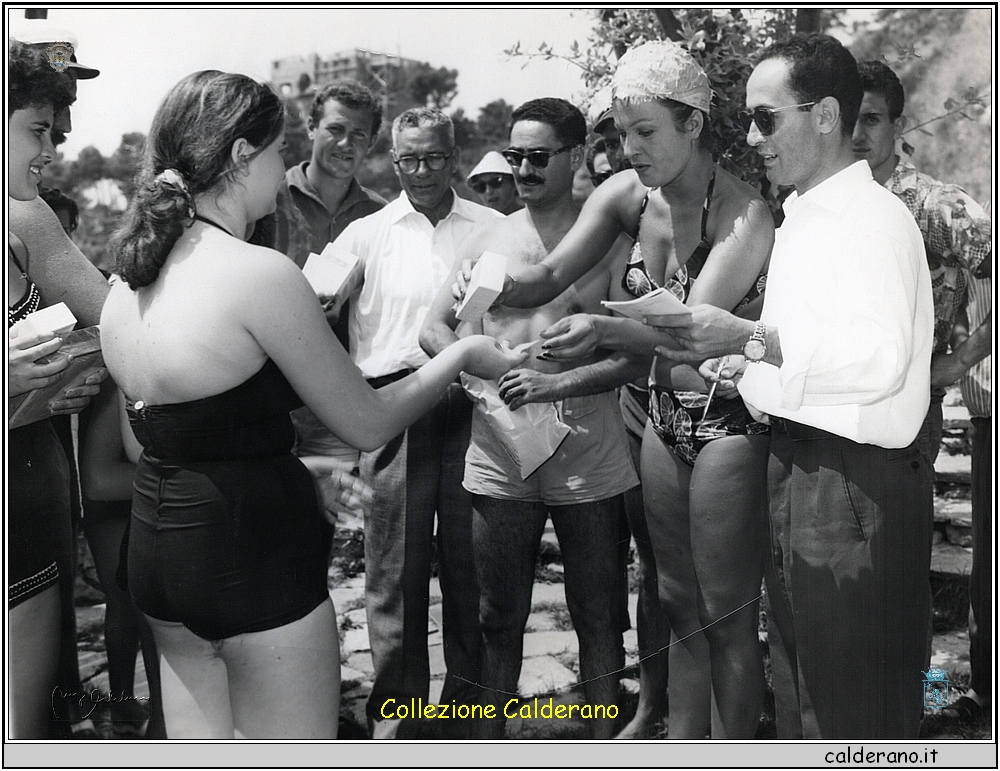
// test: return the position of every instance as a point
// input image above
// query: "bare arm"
(106, 474)
(57, 266)
(440, 323)
(524, 386)
(602, 220)
(967, 351)
(289, 326)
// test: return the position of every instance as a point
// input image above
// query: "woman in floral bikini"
(706, 236)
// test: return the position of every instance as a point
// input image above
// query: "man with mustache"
(582, 485)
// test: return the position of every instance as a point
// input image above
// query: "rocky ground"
(550, 646)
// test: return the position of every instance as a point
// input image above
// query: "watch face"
(754, 350)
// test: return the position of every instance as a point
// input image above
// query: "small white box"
(484, 288)
(57, 319)
(328, 271)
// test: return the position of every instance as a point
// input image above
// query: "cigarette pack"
(328, 271)
(485, 287)
(57, 319)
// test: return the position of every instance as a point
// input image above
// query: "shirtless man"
(582, 485)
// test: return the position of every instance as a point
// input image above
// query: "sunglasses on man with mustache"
(537, 158)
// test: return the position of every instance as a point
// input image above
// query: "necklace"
(207, 221)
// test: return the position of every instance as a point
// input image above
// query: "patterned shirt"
(957, 237)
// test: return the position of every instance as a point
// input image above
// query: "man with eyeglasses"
(405, 253)
(493, 181)
(839, 364)
(581, 486)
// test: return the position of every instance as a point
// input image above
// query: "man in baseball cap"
(493, 181)
(602, 118)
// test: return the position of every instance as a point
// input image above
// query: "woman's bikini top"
(636, 279)
(31, 300)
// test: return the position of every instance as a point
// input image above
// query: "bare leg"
(195, 684)
(284, 683)
(665, 484)
(33, 627)
(651, 621)
(728, 537)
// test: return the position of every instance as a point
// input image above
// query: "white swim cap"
(661, 69)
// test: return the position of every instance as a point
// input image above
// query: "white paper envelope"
(659, 302)
(327, 272)
(484, 288)
(57, 319)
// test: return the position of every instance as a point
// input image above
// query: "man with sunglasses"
(839, 365)
(582, 485)
(493, 181)
(405, 253)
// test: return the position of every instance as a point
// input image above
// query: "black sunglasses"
(409, 164)
(494, 183)
(537, 158)
(763, 117)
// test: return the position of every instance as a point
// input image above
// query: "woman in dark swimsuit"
(38, 474)
(213, 341)
(706, 236)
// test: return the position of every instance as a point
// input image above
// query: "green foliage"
(942, 58)
(73, 178)
(434, 87)
(494, 123)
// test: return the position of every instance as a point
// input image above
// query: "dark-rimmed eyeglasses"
(537, 158)
(409, 164)
(493, 183)
(763, 117)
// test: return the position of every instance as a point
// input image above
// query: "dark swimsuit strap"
(707, 206)
(214, 224)
(17, 262)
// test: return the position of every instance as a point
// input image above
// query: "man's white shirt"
(849, 291)
(406, 261)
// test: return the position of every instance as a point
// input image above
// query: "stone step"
(949, 559)
(952, 469)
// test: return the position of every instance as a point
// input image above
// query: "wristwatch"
(755, 348)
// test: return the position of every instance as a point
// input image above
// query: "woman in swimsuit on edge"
(706, 236)
(213, 341)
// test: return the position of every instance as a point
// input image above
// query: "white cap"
(43, 32)
(492, 163)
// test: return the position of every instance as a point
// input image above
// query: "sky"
(143, 51)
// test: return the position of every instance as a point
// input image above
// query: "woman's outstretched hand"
(489, 358)
(571, 337)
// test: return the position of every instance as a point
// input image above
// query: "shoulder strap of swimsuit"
(13, 242)
(707, 206)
